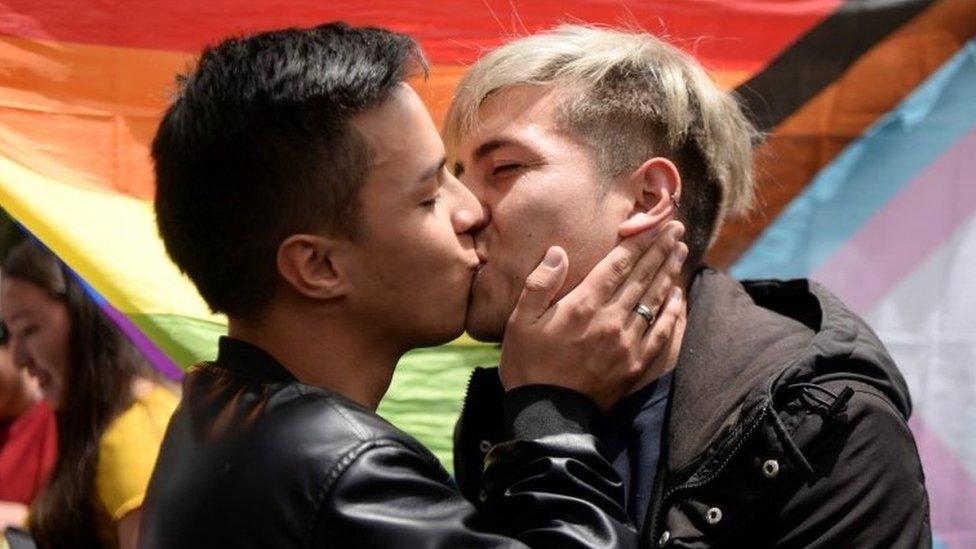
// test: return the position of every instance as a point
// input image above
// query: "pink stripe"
(952, 491)
(914, 223)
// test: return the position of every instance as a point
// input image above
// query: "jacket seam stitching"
(353, 424)
(336, 471)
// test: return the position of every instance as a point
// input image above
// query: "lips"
(482, 259)
(482, 253)
(475, 265)
(43, 378)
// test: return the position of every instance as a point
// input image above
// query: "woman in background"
(28, 439)
(111, 407)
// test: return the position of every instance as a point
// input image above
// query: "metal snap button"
(484, 446)
(770, 468)
(663, 540)
(714, 515)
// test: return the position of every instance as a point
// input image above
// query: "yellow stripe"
(108, 238)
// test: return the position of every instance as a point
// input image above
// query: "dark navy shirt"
(631, 435)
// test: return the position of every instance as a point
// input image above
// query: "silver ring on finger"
(645, 312)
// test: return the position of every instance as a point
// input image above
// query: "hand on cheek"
(592, 340)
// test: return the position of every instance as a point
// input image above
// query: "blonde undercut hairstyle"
(628, 96)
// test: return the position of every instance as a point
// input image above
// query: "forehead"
(19, 296)
(522, 113)
(400, 134)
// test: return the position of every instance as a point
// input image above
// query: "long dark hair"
(101, 367)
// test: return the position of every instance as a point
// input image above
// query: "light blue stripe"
(867, 174)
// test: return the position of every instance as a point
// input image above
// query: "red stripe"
(727, 34)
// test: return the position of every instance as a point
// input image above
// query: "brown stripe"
(815, 134)
(820, 56)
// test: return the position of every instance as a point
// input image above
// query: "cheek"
(526, 223)
(8, 376)
(56, 344)
(418, 258)
(592, 242)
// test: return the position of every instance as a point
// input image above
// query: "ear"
(656, 192)
(308, 263)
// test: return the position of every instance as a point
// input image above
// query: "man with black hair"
(302, 186)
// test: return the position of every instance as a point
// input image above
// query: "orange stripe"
(815, 134)
(85, 115)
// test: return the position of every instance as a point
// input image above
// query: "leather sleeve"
(548, 487)
(557, 491)
(868, 489)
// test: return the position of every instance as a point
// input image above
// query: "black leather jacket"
(787, 427)
(253, 458)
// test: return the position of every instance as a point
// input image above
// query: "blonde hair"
(629, 96)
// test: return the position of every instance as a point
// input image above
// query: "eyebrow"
(17, 316)
(432, 171)
(484, 150)
(489, 147)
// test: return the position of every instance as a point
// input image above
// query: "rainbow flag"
(866, 177)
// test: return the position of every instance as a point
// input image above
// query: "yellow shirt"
(127, 454)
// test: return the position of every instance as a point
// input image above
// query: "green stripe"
(428, 387)
(184, 339)
(424, 397)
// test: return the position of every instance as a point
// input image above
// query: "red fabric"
(28, 448)
(726, 34)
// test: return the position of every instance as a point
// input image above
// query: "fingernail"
(677, 230)
(679, 253)
(675, 295)
(552, 259)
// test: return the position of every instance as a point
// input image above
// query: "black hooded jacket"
(786, 427)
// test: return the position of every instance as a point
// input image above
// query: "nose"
(469, 214)
(18, 352)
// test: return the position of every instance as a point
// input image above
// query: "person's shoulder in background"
(128, 449)
(28, 450)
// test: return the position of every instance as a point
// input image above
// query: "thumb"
(543, 283)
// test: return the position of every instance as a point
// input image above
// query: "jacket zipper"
(690, 486)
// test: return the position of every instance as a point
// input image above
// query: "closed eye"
(505, 168)
(26, 330)
(432, 201)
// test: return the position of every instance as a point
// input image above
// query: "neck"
(325, 352)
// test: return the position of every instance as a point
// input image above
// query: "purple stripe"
(952, 490)
(149, 350)
(915, 222)
(145, 345)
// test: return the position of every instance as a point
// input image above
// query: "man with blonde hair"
(776, 417)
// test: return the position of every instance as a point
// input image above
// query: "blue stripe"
(862, 179)
(88, 288)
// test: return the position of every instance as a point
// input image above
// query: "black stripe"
(821, 56)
